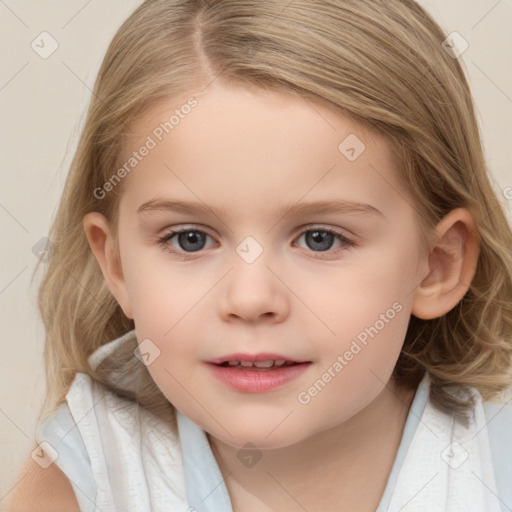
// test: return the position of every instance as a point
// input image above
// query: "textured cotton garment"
(120, 457)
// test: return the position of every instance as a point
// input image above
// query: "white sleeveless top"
(120, 457)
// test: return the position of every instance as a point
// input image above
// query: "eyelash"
(163, 241)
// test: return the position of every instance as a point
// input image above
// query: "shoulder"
(41, 490)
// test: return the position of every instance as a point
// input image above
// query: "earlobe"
(104, 247)
(452, 264)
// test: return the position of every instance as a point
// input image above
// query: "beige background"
(42, 104)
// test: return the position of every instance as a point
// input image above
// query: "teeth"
(260, 364)
(263, 364)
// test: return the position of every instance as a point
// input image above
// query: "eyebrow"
(158, 204)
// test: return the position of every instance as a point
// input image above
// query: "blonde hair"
(379, 63)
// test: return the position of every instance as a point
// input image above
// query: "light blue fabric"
(60, 431)
(205, 487)
(411, 423)
(206, 490)
(499, 426)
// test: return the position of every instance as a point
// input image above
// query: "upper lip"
(264, 356)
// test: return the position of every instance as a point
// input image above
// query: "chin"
(259, 436)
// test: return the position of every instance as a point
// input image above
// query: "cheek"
(355, 372)
(175, 309)
(160, 290)
(370, 288)
(166, 301)
(367, 310)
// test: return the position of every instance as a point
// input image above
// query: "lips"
(258, 365)
(260, 360)
(256, 373)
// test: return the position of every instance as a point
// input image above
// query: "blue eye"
(190, 241)
(319, 240)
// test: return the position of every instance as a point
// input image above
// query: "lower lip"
(257, 381)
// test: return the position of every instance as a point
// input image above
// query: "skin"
(252, 153)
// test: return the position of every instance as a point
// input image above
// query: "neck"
(348, 464)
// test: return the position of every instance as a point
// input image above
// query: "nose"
(253, 293)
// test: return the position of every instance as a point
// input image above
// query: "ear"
(452, 264)
(104, 245)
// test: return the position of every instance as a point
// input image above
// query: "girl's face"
(328, 284)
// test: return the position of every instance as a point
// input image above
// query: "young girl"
(280, 276)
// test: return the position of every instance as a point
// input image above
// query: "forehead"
(248, 148)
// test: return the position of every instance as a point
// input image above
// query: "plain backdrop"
(42, 102)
